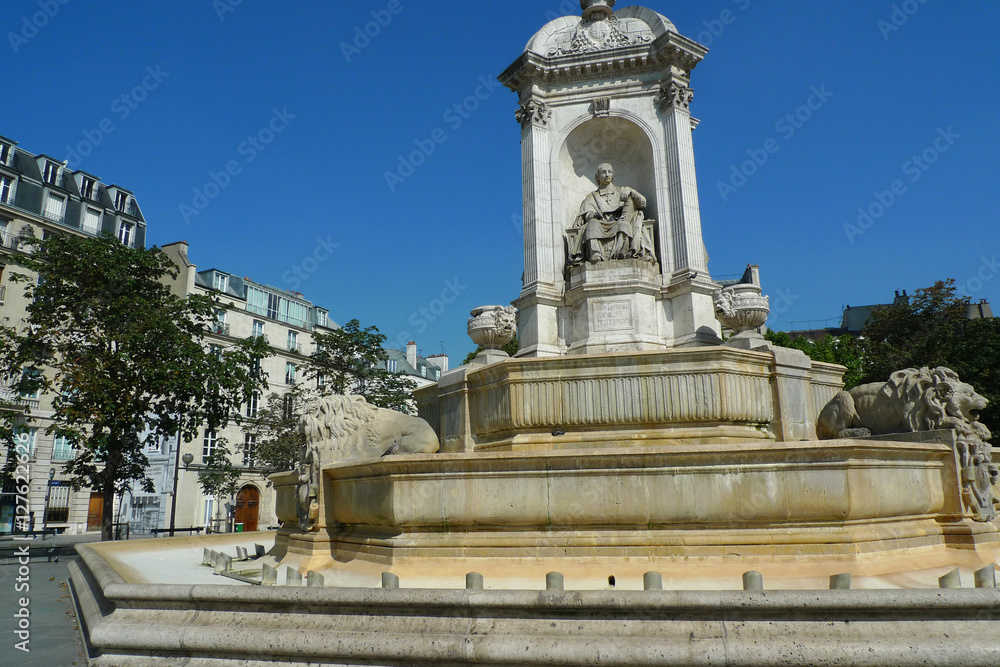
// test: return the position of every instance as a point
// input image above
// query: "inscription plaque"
(612, 315)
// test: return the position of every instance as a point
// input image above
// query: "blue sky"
(306, 204)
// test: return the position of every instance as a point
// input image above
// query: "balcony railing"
(220, 328)
(295, 347)
(55, 216)
(3, 293)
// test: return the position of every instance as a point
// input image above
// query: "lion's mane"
(340, 425)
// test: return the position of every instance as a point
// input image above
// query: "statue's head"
(605, 174)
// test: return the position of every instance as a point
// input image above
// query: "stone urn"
(492, 327)
(742, 309)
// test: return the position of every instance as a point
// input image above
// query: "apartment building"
(39, 196)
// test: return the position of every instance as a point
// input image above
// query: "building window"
(87, 189)
(208, 515)
(121, 201)
(258, 329)
(125, 234)
(92, 221)
(221, 282)
(288, 406)
(253, 405)
(55, 207)
(51, 175)
(321, 318)
(6, 190)
(208, 445)
(391, 365)
(6, 153)
(320, 381)
(58, 508)
(62, 450)
(272, 306)
(293, 341)
(249, 450)
(289, 373)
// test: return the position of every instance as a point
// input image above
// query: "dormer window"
(88, 188)
(6, 153)
(92, 221)
(6, 190)
(125, 234)
(55, 207)
(221, 282)
(51, 174)
(121, 201)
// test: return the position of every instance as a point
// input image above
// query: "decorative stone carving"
(533, 111)
(307, 490)
(598, 32)
(742, 309)
(597, 9)
(348, 428)
(611, 224)
(922, 400)
(675, 96)
(492, 327)
(602, 107)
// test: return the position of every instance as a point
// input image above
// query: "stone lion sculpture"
(912, 400)
(348, 428)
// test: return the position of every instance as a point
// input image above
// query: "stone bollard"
(554, 581)
(292, 576)
(474, 581)
(840, 582)
(753, 581)
(259, 549)
(652, 581)
(223, 563)
(208, 557)
(951, 580)
(389, 580)
(987, 577)
(241, 553)
(314, 579)
(268, 576)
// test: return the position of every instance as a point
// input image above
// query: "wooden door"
(96, 511)
(247, 503)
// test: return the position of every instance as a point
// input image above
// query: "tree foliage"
(122, 355)
(844, 350)
(349, 360)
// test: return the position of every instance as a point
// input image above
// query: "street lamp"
(188, 457)
(45, 510)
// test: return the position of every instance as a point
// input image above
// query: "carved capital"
(674, 96)
(533, 111)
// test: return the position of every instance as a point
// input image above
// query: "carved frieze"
(601, 34)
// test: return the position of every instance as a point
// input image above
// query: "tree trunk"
(108, 511)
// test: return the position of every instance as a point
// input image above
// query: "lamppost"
(177, 470)
(45, 509)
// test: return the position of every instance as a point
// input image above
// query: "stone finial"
(597, 9)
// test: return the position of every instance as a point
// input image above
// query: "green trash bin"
(239, 528)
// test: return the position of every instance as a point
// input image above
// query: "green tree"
(349, 360)
(220, 478)
(122, 355)
(510, 348)
(844, 350)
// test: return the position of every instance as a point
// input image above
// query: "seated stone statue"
(610, 224)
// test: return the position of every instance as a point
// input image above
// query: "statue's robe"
(612, 217)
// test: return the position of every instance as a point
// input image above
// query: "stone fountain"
(644, 438)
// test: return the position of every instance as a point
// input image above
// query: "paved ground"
(54, 639)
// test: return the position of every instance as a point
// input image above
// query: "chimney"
(411, 354)
(439, 360)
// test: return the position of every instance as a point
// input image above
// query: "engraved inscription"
(612, 316)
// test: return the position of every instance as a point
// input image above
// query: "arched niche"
(618, 141)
